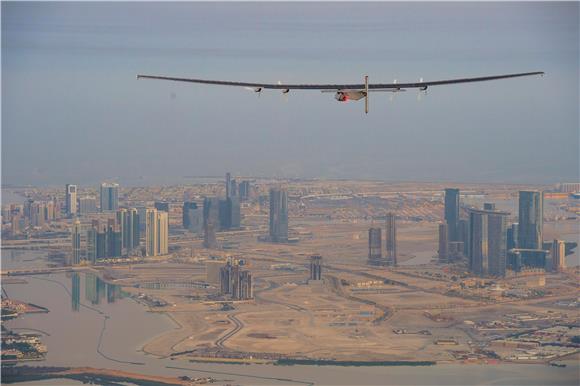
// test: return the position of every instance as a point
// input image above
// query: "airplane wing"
(359, 86)
(345, 92)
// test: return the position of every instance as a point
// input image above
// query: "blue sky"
(72, 110)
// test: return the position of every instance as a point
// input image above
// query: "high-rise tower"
(375, 246)
(452, 213)
(278, 215)
(156, 232)
(192, 219)
(76, 243)
(558, 255)
(71, 200)
(391, 239)
(109, 197)
(487, 242)
(228, 184)
(531, 213)
(443, 250)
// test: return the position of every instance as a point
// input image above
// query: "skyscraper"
(211, 212)
(122, 215)
(229, 213)
(487, 242)
(71, 200)
(151, 232)
(76, 243)
(452, 213)
(209, 239)
(531, 218)
(102, 243)
(391, 239)
(15, 224)
(463, 230)
(87, 204)
(234, 212)
(109, 197)
(512, 236)
(135, 229)
(375, 246)
(443, 250)
(228, 184)
(163, 234)
(128, 219)
(244, 190)
(278, 215)
(224, 214)
(192, 217)
(233, 188)
(92, 233)
(246, 286)
(37, 215)
(156, 232)
(114, 239)
(558, 255)
(514, 260)
(497, 243)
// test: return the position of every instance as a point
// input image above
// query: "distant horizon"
(218, 179)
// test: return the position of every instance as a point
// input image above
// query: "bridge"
(40, 271)
(173, 284)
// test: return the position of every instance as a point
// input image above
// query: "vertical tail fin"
(366, 94)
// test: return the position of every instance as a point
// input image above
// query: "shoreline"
(87, 375)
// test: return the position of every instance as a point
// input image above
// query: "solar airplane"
(344, 92)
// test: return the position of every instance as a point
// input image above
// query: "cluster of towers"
(216, 213)
(120, 236)
(32, 213)
(115, 232)
(491, 245)
(108, 200)
(376, 244)
(219, 214)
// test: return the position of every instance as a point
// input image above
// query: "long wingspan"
(359, 86)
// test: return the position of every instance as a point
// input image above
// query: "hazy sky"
(72, 110)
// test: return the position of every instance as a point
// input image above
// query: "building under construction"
(315, 267)
(235, 281)
(375, 247)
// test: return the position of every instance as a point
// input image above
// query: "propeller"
(284, 92)
(255, 89)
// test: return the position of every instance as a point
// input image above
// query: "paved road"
(238, 325)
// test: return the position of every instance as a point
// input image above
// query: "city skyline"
(169, 232)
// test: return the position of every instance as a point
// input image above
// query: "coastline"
(87, 375)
